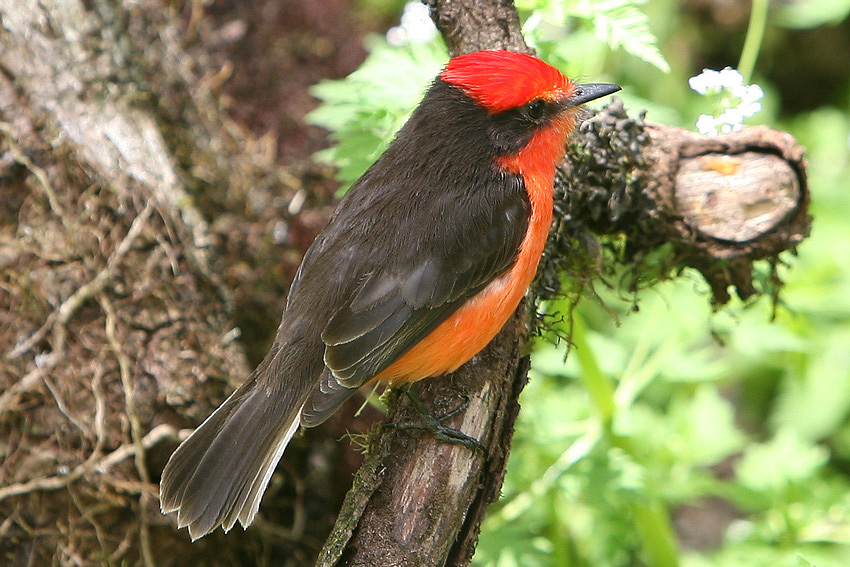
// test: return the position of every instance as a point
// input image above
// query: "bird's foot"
(435, 425)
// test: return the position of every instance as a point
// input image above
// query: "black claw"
(429, 422)
(462, 407)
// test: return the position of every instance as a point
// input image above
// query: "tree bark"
(130, 210)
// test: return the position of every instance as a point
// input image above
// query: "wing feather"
(376, 288)
(405, 296)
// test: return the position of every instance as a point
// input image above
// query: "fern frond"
(621, 23)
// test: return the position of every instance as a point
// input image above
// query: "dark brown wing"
(407, 281)
(398, 303)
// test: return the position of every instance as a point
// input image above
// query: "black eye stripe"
(510, 130)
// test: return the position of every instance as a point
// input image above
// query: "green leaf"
(817, 403)
(705, 427)
(784, 461)
(365, 109)
(620, 23)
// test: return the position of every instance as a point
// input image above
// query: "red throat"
(543, 152)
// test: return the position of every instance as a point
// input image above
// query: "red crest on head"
(501, 80)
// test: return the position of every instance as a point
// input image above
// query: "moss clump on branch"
(620, 220)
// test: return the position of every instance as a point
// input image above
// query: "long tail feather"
(219, 474)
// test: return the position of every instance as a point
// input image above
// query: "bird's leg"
(428, 422)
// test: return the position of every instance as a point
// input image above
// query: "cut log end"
(718, 203)
(736, 198)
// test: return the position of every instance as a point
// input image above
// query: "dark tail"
(219, 474)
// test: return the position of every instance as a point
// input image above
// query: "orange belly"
(476, 322)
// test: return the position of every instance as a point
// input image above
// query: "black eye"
(534, 109)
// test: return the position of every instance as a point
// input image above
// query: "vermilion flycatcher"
(423, 262)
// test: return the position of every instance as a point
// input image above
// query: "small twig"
(27, 345)
(153, 437)
(87, 514)
(70, 306)
(102, 465)
(99, 411)
(72, 556)
(21, 158)
(29, 381)
(42, 484)
(121, 549)
(63, 407)
(5, 525)
(135, 424)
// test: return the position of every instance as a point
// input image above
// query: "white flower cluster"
(734, 100)
(416, 26)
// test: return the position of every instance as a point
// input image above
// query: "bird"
(421, 264)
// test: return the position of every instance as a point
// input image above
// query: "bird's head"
(531, 105)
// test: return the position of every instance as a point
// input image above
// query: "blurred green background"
(725, 438)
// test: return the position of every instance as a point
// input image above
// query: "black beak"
(591, 91)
